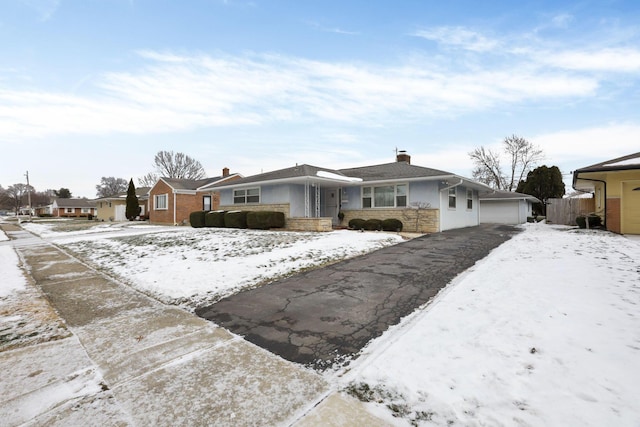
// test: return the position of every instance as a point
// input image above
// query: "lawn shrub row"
(263, 220)
(390, 224)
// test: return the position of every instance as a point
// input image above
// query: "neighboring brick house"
(172, 200)
(73, 208)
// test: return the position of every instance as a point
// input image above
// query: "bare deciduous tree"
(149, 180)
(487, 167)
(110, 186)
(522, 156)
(16, 194)
(178, 165)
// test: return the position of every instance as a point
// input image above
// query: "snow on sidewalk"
(544, 331)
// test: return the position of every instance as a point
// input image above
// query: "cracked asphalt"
(321, 316)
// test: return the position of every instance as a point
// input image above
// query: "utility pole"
(28, 192)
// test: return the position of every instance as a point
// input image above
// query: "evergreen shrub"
(392, 224)
(235, 219)
(264, 220)
(197, 219)
(214, 219)
(356, 224)
(373, 225)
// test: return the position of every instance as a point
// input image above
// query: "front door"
(330, 204)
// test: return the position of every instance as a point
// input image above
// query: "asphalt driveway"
(321, 316)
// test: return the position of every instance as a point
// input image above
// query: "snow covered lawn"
(545, 331)
(193, 267)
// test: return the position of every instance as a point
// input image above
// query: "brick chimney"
(225, 172)
(402, 156)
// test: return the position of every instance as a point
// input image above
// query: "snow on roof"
(330, 175)
(627, 162)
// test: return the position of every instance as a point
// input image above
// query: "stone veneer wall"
(428, 219)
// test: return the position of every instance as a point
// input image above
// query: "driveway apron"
(323, 316)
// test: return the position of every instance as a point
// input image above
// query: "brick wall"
(613, 215)
(164, 216)
(428, 220)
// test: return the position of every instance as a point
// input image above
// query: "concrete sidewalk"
(131, 360)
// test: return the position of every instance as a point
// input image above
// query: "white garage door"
(120, 213)
(499, 212)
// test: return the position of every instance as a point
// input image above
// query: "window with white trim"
(69, 210)
(160, 202)
(86, 210)
(470, 199)
(246, 195)
(206, 203)
(452, 198)
(385, 196)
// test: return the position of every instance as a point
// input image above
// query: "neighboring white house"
(505, 207)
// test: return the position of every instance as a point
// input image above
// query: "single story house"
(171, 200)
(616, 187)
(113, 208)
(311, 197)
(73, 208)
(506, 207)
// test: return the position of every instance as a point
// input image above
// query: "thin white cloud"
(586, 146)
(178, 92)
(622, 60)
(459, 37)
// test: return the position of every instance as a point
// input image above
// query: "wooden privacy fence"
(565, 211)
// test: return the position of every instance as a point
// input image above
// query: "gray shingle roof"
(394, 170)
(189, 184)
(292, 172)
(75, 203)
(507, 195)
(631, 161)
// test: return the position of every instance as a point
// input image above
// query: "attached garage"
(506, 207)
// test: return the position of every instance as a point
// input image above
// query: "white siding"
(459, 217)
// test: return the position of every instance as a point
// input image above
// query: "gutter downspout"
(605, 197)
(174, 207)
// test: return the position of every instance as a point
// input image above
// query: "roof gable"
(297, 171)
(394, 170)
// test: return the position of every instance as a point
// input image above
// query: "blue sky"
(93, 88)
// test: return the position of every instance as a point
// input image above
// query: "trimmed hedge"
(373, 225)
(392, 224)
(235, 219)
(264, 220)
(356, 224)
(196, 219)
(214, 219)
